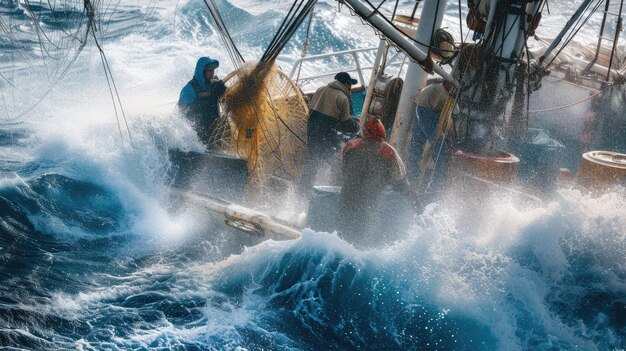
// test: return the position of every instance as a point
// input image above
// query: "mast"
(487, 72)
(430, 21)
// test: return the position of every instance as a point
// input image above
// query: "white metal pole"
(430, 19)
(397, 37)
(372, 83)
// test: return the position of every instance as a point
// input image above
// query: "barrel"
(480, 175)
(599, 170)
(500, 167)
(540, 158)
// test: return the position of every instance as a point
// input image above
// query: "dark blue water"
(95, 256)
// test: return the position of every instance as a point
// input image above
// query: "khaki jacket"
(332, 100)
(433, 96)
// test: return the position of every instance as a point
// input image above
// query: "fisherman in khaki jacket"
(330, 112)
(429, 102)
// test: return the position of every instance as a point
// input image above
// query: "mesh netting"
(40, 40)
(264, 118)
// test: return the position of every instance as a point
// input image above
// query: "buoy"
(601, 169)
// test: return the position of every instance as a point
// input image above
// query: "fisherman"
(330, 112)
(199, 99)
(369, 165)
(429, 105)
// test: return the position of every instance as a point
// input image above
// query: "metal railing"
(359, 64)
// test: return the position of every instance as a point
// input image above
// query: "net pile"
(264, 119)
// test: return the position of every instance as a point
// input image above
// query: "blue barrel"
(358, 99)
(540, 159)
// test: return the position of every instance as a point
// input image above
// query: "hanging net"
(40, 41)
(264, 119)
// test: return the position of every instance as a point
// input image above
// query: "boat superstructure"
(498, 80)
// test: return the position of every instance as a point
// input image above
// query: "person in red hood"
(369, 166)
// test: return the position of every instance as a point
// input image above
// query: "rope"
(565, 106)
(461, 23)
(432, 31)
(395, 9)
(444, 125)
(231, 48)
(82, 43)
(297, 14)
(618, 30)
(305, 44)
(376, 10)
(107, 72)
(393, 25)
(528, 91)
(573, 33)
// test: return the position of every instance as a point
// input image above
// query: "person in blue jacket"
(199, 99)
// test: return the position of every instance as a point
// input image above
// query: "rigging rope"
(91, 28)
(376, 10)
(444, 126)
(618, 30)
(395, 9)
(231, 48)
(566, 106)
(573, 33)
(427, 65)
(264, 115)
(297, 14)
(433, 29)
(461, 24)
(528, 87)
(305, 45)
(82, 40)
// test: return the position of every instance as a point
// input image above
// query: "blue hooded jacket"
(199, 100)
(188, 95)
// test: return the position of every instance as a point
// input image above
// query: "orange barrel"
(600, 169)
(501, 167)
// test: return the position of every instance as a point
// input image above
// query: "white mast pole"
(430, 19)
(398, 38)
(370, 89)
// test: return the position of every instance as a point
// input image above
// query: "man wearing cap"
(199, 99)
(330, 112)
(369, 165)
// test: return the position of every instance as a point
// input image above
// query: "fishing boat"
(501, 136)
(100, 250)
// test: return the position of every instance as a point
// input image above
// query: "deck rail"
(358, 60)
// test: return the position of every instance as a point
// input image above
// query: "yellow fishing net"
(264, 118)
